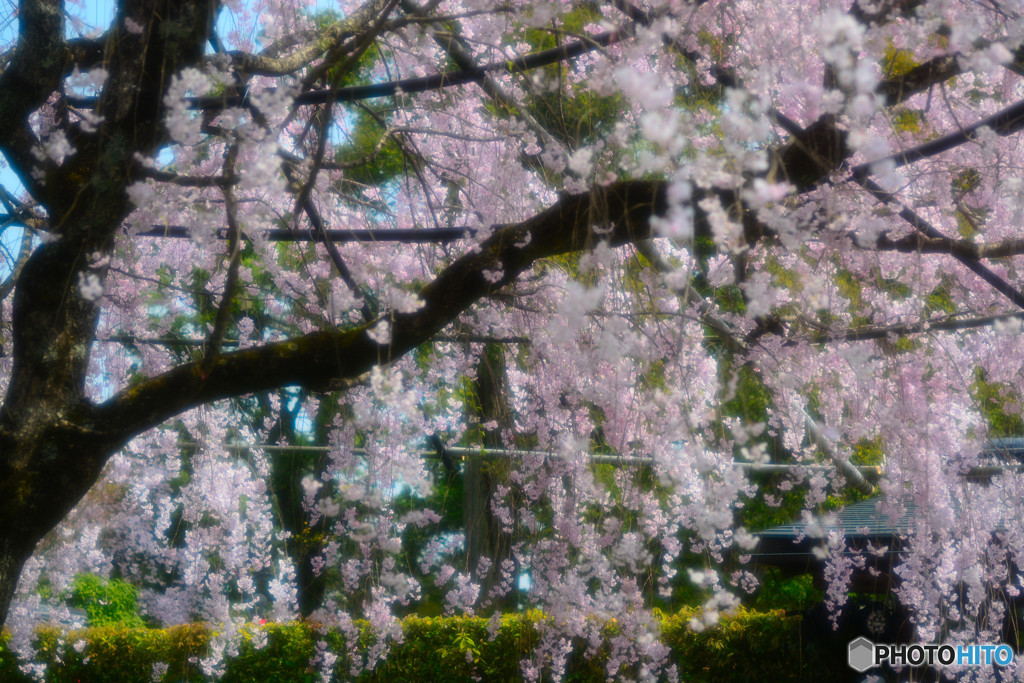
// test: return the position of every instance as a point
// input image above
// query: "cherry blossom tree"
(223, 215)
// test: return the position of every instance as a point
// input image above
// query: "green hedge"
(747, 646)
(106, 603)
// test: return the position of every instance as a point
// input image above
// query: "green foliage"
(113, 655)
(868, 452)
(897, 61)
(758, 515)
(1000, 406)
(106, 603)
(749, 646)
(908, 120)
(795, 593)
(374, 161)
(746, 646)
(750, 402)
(572, 113)
(939, 300)
(284, 657)
(577, 116)
(446, 500)
(966, 181)
(850, 288)
(457, 648)
(573, 21)
(751, 399)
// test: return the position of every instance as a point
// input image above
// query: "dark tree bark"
(287, 471)
(484, 532)
(50, 454)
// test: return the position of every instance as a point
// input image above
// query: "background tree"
(626, 213)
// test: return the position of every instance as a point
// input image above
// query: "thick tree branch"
(331, 358)
(820, 148)
(943, 324)
(930, 232)
(919, 243)
(34, 72)
(403, 235)
(883, 12)
(328, 38)
(85, 53)
(898, 89)
(24, 249)
(175, 342)
(188, 181)
(1005, 122)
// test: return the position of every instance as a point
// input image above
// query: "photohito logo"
(864, 655)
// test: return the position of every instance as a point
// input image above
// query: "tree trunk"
(13, 555)
(485, 536)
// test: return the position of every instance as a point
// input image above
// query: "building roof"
(858, 520)
(789, 546)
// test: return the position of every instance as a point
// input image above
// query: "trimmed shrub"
(106, 603)
(746, 646)
(106, 654)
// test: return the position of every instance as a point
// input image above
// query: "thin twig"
(408, 85)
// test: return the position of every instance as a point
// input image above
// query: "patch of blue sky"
(303, 423)
(89, 17)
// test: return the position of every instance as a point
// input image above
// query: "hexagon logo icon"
(860, 655)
